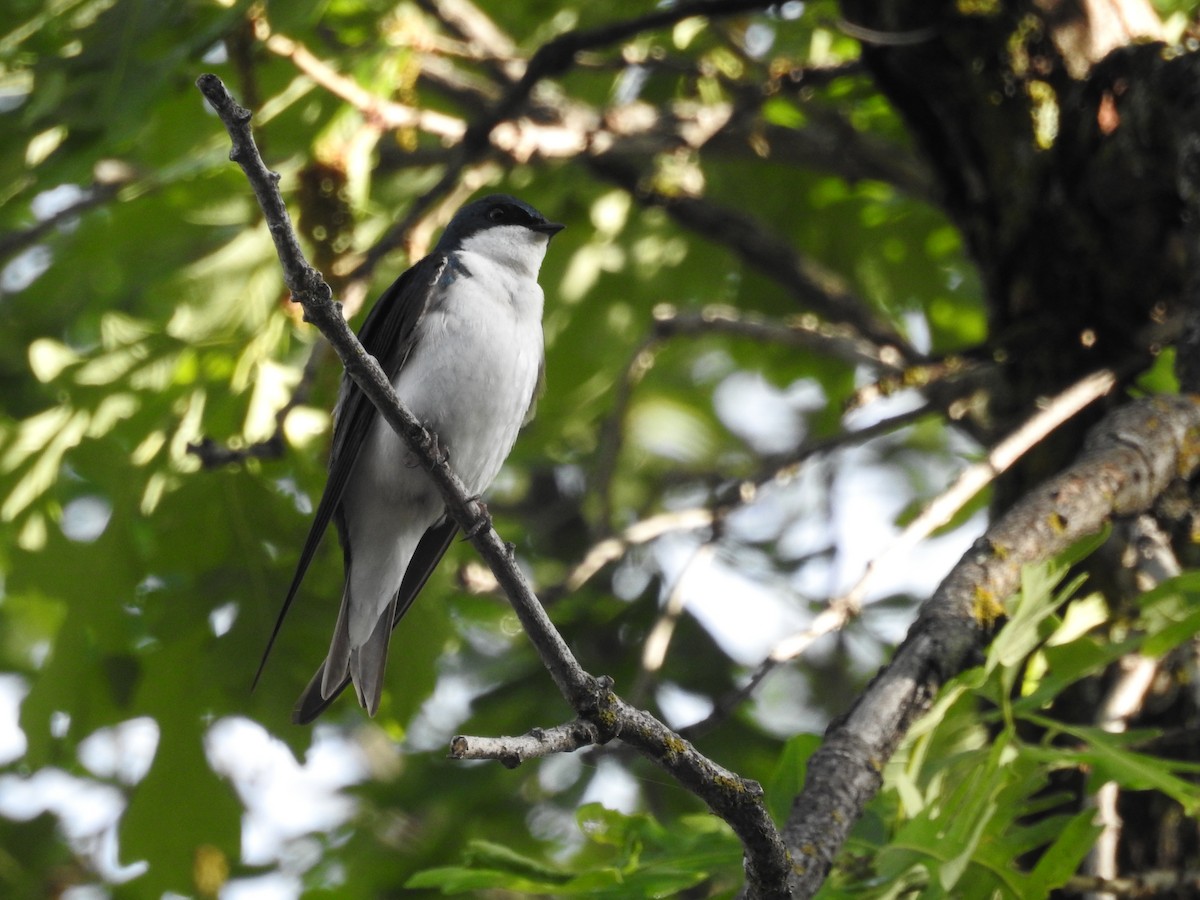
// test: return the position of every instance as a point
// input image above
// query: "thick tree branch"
(977, 476)
(848, 606)
(737, 800)
(814, 287)
(1129, 459)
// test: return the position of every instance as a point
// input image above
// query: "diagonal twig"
(737, 800)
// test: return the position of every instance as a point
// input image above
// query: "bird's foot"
(482, 521)
(438, 455)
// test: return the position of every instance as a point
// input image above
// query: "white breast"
(470, 378)
(474, 368)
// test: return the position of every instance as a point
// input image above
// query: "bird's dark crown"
(491, 212)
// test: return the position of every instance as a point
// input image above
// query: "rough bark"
(1057, 143)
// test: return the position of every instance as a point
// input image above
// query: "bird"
(460, 336)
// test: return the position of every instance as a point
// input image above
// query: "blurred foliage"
(142, 310)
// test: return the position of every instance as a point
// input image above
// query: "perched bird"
(460, 336)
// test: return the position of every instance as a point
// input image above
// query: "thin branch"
(1129, 459)
(480, 34)
(99, 193)
(837, 615)
(736, 800)
(805, 332)
(310, 290)
(551, 59)
(1124, 699)
(658, 639)
(1154, 883)
(557, 55)
(568, 130)
(213, 455)
(642, 532)
(976, 477)
(736, 494)
(1154, 563)
(538, 743)
(716, 785)
(376, 109)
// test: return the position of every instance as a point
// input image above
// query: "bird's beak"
(550, 229)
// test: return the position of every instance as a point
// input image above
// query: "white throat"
(511, 246)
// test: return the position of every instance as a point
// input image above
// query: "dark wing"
(428, 554)
(387, 334)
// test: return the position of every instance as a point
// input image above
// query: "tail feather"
(367, 663)
(313, 701)
(363, 666)
(337, 664)
(334, 674)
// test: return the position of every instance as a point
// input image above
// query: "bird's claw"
(438, 455)
(482, 520)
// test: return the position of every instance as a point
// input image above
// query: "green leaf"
(788, 777)
(1061, 860)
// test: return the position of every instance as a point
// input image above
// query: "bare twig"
(538, 743)
(737, 800)
(96, 195)
(386, 113)
(643, 532)
(1153, 563)
(213, 455)
(551, 59)
(480, 34)
(836, 616)
(804, 332)
(1155, 883)
(310, 290)
(658, 640)
(736, 494)
(1124, 699)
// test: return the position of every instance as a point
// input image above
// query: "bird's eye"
(497, 214)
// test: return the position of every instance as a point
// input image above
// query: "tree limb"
(1130, 458)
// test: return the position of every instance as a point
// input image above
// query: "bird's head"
(502, 228)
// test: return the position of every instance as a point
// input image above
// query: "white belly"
(470, 380)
